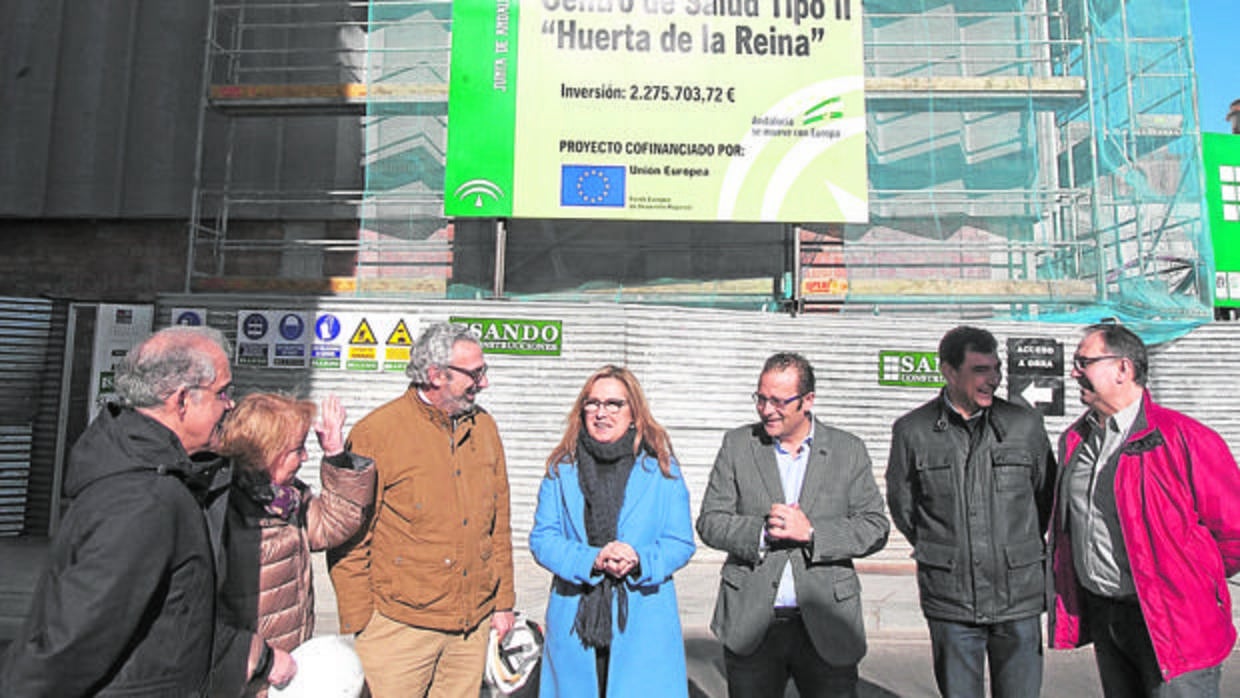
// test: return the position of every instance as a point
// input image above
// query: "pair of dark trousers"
(962, 650)
(786, 650)
(1125, 655)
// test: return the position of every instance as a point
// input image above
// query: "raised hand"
(329, 427)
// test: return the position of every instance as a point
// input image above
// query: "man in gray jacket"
(792, 501)
(970, 480)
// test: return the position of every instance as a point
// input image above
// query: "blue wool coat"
(648, 658)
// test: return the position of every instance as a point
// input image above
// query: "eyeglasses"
(611, 406)
(475, 375)
(778, 403)
(1081, 363)
(224, 394)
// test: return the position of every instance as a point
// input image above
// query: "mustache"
(1085, 383)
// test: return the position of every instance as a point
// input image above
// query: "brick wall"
(129, 261)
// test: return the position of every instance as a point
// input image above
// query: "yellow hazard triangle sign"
(400, 335)
(363, 334)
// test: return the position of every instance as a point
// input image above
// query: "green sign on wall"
(1221, 156)
(657, 110)
(919, 369)
(517, 335)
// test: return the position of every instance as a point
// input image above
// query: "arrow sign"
(1034, 394)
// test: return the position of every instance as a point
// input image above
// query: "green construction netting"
(1033, 159)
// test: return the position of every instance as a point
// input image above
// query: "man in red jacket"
(1146, 530)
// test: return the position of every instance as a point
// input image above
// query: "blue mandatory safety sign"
(292, 326)
(255, 326)
(189, 317)
(327, 328)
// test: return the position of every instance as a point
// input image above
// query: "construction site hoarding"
(679, 110)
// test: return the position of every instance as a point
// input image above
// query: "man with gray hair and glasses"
(431, 573)
(1145, 531)
(126, 605)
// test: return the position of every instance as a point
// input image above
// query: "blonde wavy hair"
(650, 433)
(261, 426)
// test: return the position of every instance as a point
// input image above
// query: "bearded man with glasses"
(1145, 531)
(793, 502)
(431, 573)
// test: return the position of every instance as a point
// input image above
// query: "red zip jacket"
(1177, 490)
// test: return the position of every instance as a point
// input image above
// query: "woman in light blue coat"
(612, 525)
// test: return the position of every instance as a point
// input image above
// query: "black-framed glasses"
(1081, 363)
(778, 403)
(475, 375)
(224, 394)
(611, 406)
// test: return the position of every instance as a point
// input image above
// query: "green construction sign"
(913, 369)
(1221, 156)
(683, 110)
(516, 335)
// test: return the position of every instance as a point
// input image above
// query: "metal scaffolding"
(1027, 159)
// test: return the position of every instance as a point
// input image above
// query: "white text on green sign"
(517, 335)
(909, 368)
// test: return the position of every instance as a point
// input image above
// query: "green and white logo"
(918, 369)
(517, 336)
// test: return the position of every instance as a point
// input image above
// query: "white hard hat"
(327, 667)
(512, 661)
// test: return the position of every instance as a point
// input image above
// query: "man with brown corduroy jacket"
(431, 573)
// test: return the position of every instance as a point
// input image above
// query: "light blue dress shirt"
(791, 476)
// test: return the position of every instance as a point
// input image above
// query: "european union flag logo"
(592, 185)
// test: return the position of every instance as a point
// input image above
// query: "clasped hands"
(616, 559)
(786, 522)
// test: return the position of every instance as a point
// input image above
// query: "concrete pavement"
(889, 600)
(897, 666)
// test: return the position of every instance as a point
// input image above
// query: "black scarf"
(603, 470)
(283, 501)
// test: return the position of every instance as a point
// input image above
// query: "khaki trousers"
(402, 661)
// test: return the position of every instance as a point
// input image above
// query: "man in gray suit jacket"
(792, 501)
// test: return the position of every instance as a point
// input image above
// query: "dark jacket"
(126, 605)
(975, 518)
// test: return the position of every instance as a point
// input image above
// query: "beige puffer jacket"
(268, 584)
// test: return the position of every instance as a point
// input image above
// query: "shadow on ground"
(704, 661)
